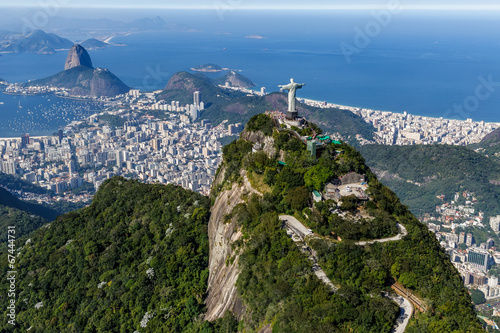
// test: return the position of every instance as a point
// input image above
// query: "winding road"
(300, 231)
(402, 232)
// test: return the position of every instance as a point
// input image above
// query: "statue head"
(291, 81)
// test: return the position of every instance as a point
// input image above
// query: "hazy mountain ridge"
(102, 26)
(36, 41)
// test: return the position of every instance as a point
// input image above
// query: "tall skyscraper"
(197, 98)
(25, 140)
(119, 158)
(469, 240)
(194, 113)
(156, 143)
(461, 238)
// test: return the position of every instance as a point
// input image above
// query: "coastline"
(326, 105)
(315, 103)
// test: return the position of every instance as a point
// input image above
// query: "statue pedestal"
(291, 115)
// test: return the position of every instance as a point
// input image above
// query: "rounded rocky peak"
(77, 56)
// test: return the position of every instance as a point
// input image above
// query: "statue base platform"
(297, 122)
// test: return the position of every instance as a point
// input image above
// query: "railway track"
(415, 301)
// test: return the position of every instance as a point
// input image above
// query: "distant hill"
(148, 24)
(492, 137)
(489, 146)
(36, 41)
(235, 80)
(25, 216)
(94, 44)
(439, 169)
(23, 221)
(82, 79)
(8, 199)
(182, 85)
(85, 27)
(223, 104)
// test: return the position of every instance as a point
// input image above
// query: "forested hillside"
(134, 260)
(362, 273)
(417, 174)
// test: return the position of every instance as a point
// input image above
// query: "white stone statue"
(292, 87)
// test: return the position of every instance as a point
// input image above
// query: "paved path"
(405, 312)
(399, 236)
(297, 228)
(296, 224)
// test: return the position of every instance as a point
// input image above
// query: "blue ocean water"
(420, 62)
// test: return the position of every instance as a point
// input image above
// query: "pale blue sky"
(265, 4)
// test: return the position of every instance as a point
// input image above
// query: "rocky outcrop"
(223, 262)
(77, 56)
(82, 79)
(265, 143)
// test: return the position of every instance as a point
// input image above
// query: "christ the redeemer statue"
(292, 88)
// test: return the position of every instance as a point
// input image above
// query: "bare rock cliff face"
(222, 295)
(223, 262)
(77, 56)
(266, 142)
